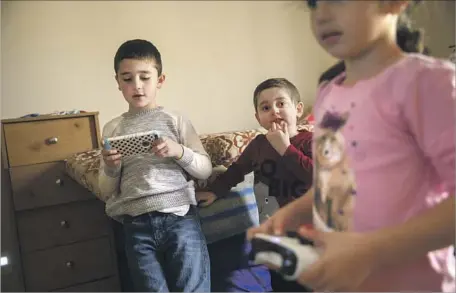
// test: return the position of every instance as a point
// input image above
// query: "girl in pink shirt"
(384, 156)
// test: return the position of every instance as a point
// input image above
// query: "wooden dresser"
(55, 233)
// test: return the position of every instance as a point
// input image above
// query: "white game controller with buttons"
(132, 144)
(291, 254)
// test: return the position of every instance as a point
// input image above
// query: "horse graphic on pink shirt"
(334, 180)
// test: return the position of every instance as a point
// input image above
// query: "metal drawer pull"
(69, 264)
(59, 181)
(64, 224)
(52, 140)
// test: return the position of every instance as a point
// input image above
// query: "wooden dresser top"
(47, 117)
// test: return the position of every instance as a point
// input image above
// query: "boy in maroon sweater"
(281, 159)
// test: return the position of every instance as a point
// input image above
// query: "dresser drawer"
(34, 142)
(62, 224)
(105, 285)
(44, 185)
(66, 266)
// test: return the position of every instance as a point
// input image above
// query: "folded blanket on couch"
(231, 215)
(225, 223)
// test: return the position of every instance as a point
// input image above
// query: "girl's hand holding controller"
(165, 147)
(346, 261)
(110, 156)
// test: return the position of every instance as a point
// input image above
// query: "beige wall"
(58, 55)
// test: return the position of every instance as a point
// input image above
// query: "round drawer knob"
(59, 181)
(52, 140)
(69, 264)
(64, 224)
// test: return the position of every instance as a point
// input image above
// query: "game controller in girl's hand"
(290, 254)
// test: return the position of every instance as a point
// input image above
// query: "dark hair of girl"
(408, 39)
(332, 72)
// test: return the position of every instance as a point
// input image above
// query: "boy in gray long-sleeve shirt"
(150, 194)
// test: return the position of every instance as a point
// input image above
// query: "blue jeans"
(167, 252)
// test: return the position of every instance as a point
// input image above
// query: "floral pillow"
(224, 148)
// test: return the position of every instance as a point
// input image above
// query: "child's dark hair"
(408, 39)
(277, 83)
(138, 49)
(332, 72)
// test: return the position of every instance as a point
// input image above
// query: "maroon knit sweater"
(288, 176)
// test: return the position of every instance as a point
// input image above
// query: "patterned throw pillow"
(83, 168)
(224, 148)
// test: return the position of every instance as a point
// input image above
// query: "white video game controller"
(291, 254)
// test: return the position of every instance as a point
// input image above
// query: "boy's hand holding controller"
(167, 148)
(111, 157)
(279, 137)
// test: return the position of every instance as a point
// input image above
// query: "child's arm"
(299, 159)
(108, 177)
(236, 171)
(195, 159)
(108, 180)
(430, 116)
(432, 230)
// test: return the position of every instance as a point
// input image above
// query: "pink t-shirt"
(384, 150)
